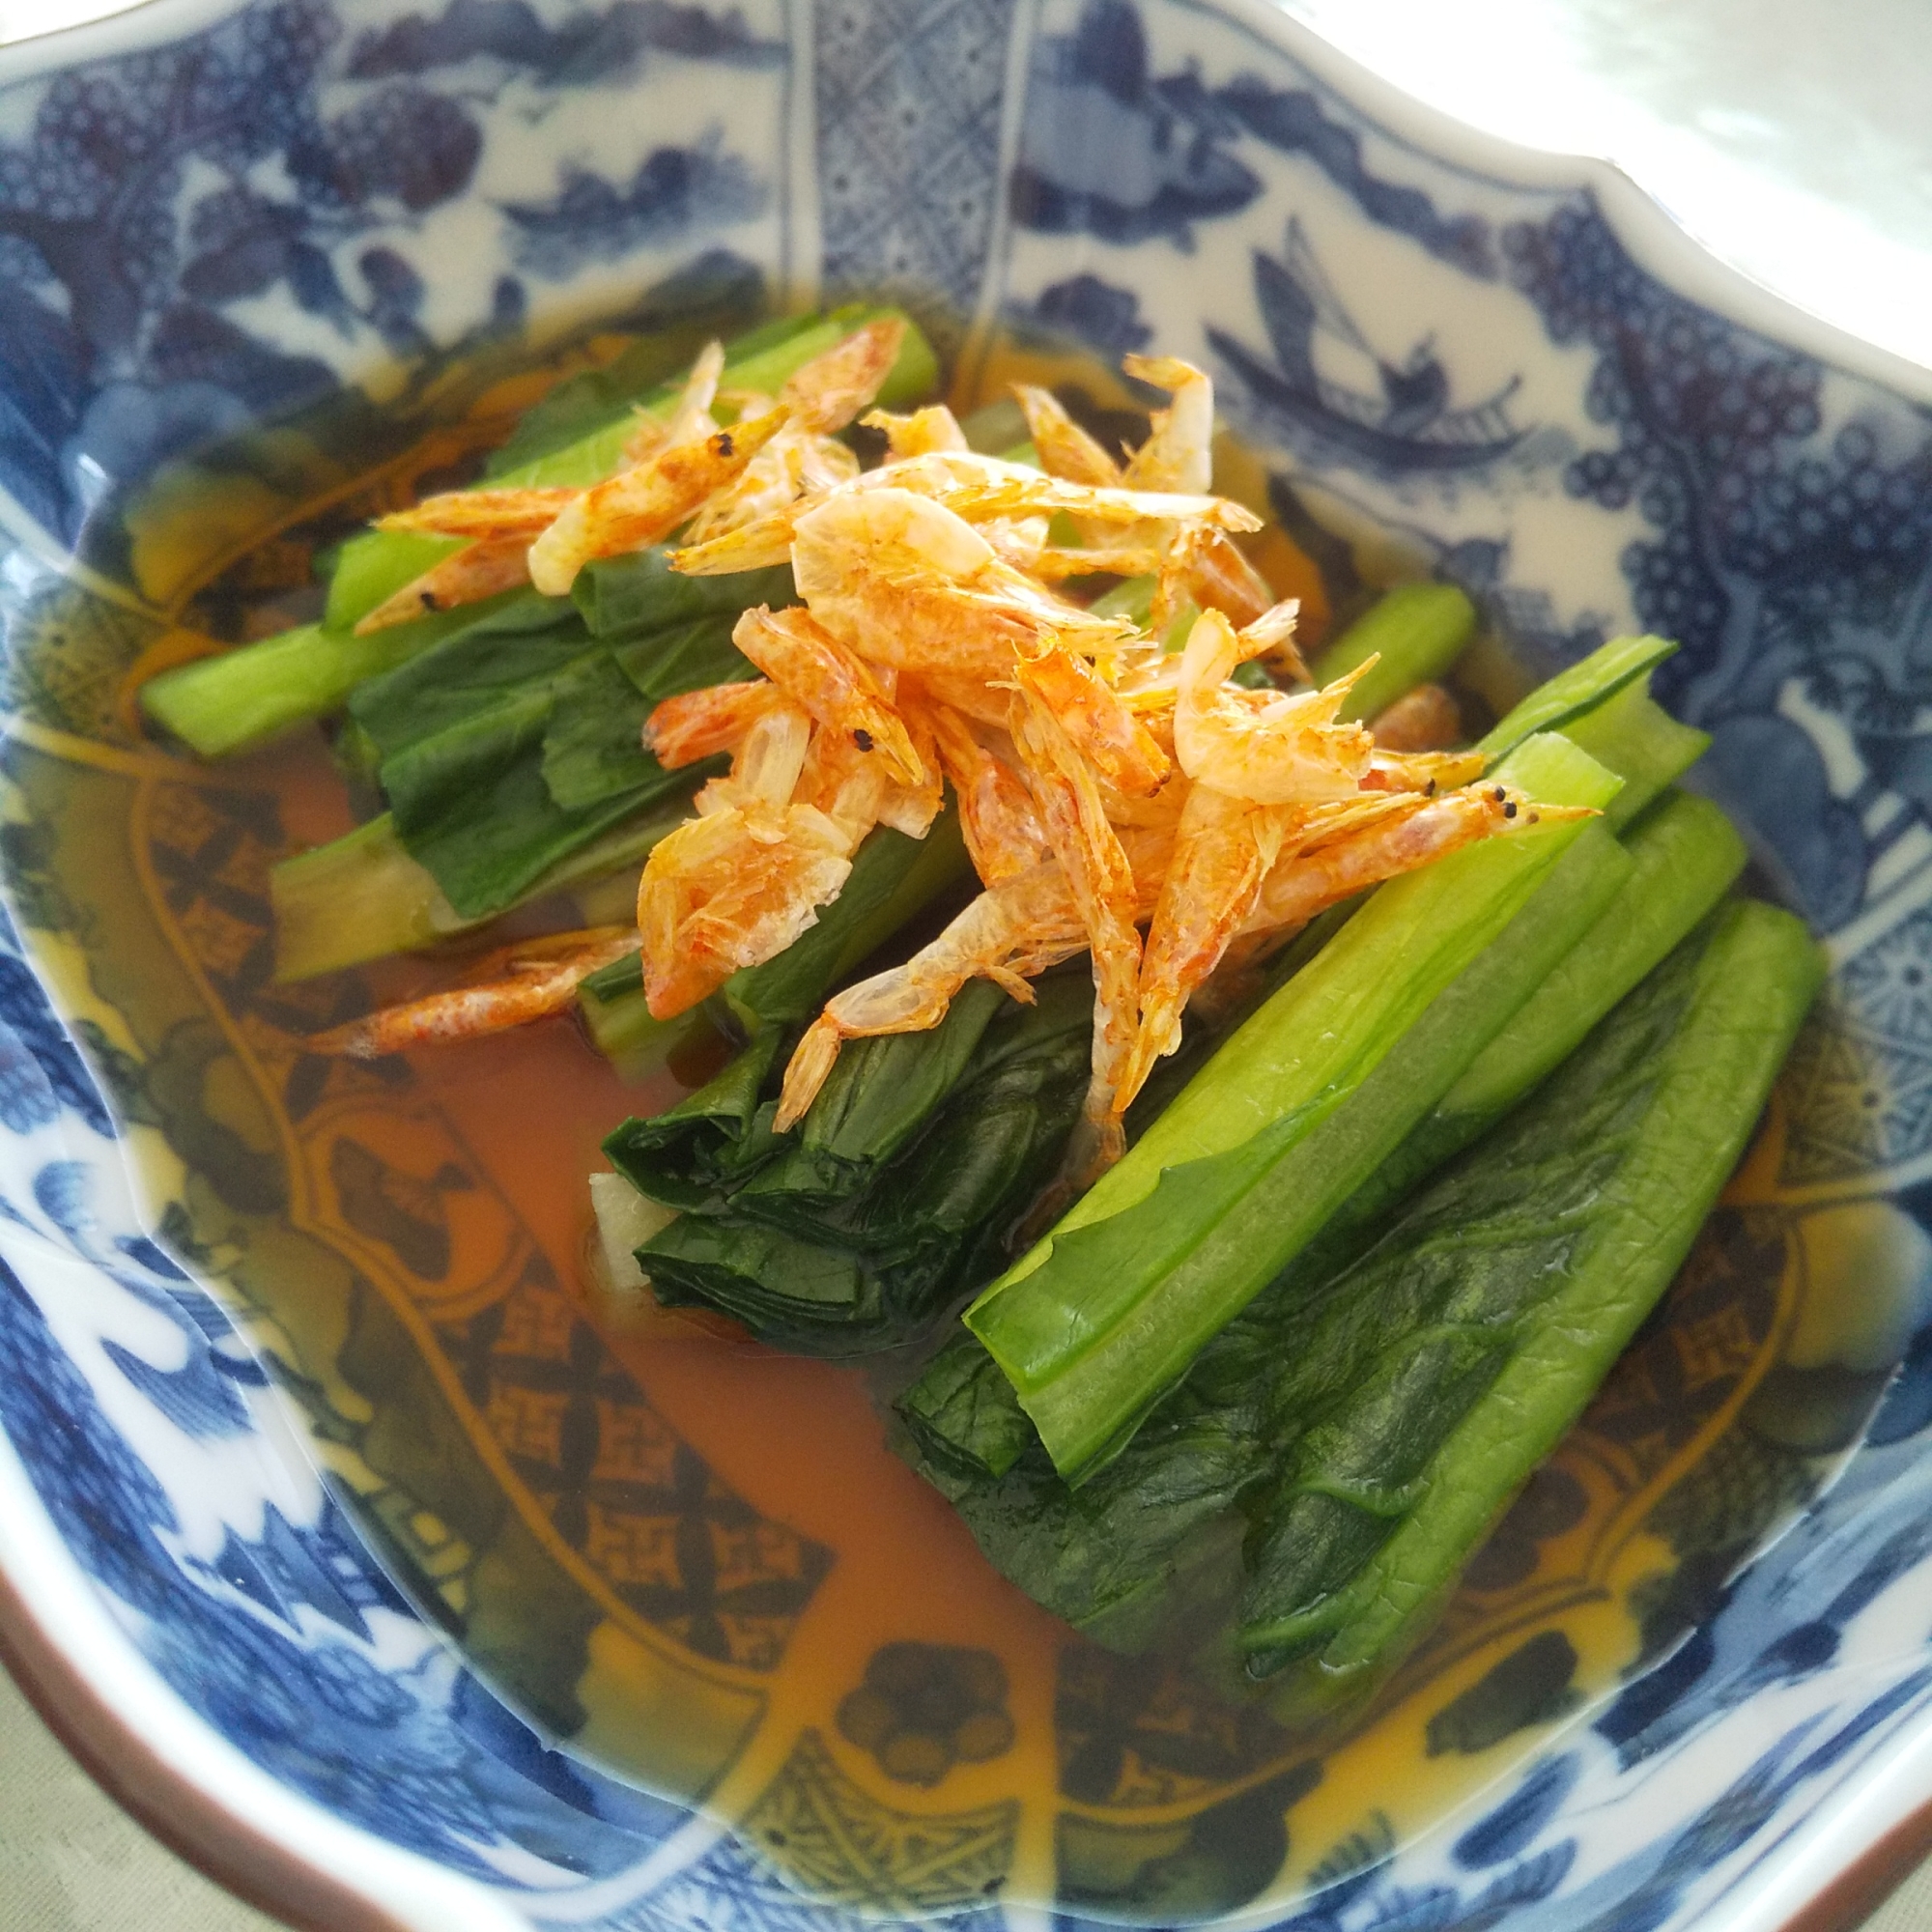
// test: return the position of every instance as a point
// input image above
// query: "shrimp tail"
(807, 1071)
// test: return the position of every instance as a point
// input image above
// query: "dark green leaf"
(523, 647)
(628, 596)
(685, 657)
(593, 740)
(906, 1186)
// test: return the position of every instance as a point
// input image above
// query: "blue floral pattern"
(165, 219)
(242, 221)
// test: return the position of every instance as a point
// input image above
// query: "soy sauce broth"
(694, 1562)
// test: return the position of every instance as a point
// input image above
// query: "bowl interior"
(1429, 367)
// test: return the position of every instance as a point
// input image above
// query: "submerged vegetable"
(1441, 1369)
(1301, 1500)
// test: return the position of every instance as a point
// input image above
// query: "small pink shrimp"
(1094, 717)
(1204, 567)
(742, 880)
(830, 389)
(1002, 833)
(920, 434)
(1282, 751)
(1224, 851)
(987, 704)
(1102, 880)
(813, 667)
(1064, 449)
(858, 790)
(1055, 565)
(467, 576)
(731, 889)
(1012, 931)
(1220, 578)
(1412, 829)
(1022, 492)
(481, 513)
(981, 489)
(540, 977)
(1179, 454)
(905, 582)
(803, 461)
(641, 505)
(701, 724)
(1425, 719)
(690, 416)
(1421, 771)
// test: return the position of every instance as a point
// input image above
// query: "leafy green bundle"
(506, 736)
(897, 1192)
(1447, 1268)
(518, 739)
(1314, 1485)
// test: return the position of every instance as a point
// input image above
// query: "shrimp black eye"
(1429, 790)
(1509, 810)
(1499, 794)
(724, 446)
(428, 599)
(863, 739)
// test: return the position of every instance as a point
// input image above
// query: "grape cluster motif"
(1768, 527)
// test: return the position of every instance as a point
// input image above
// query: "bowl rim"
(284, 1854)
(179, 1777)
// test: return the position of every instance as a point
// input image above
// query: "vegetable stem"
(1106, 1313)
(1463, 1347)
(361, 897)
(220, 705)
(1415, 631)
(224, 704)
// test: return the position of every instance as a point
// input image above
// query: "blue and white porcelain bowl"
(285, 227)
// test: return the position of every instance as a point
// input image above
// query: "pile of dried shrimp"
(1106, 786)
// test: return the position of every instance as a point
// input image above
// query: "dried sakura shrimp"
(1117, 798)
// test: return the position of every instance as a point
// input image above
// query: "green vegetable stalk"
(1301, 1500)
(1685, 855)
(221, 705)
(1106, 1314)
(1560, 701)
(1415, 632)
(1436, 1374)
